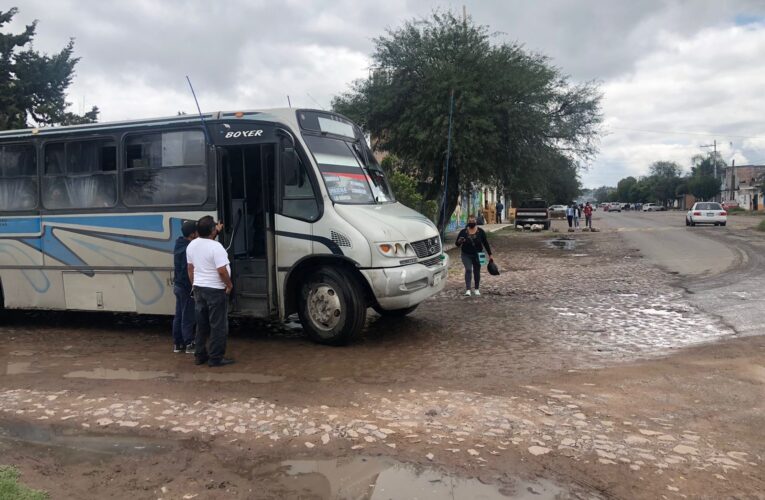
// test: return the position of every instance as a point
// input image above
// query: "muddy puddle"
(384, 478)
(359, 477)
(125, 374)
(73, 447)
(562, 243)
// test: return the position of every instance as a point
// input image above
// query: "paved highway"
(721, 268)
(664, 239)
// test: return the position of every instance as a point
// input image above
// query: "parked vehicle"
(706, 213)
(90, 213)
(533, 211)
(651, 207)
(727, 205)
(557, 211)
(615, 207)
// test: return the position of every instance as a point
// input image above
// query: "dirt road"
(583, 371)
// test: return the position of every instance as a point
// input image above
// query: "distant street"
(663, 239)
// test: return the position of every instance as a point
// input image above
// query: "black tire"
(547, 226)
(332, 306)
(394, 313)
(723, 223)
(687, 222)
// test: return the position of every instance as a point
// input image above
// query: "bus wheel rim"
(324, 307)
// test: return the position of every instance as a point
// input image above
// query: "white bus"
(89, 216)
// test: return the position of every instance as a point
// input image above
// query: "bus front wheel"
(332, 308)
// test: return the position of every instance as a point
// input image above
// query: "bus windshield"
(349, 170)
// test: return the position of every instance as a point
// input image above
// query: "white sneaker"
(477, 293)
(467, 293)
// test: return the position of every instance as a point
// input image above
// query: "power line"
(680, 132)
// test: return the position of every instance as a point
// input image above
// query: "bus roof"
(282, 115)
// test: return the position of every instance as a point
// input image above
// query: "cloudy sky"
(676, 75)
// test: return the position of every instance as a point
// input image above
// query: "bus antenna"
(199, 110)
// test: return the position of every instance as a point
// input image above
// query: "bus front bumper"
(406, 286)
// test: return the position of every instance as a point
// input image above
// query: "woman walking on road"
(472, 241)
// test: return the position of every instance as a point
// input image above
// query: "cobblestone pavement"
(497, 383)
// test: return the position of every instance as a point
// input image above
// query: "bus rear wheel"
(394, 313)
(332, 308)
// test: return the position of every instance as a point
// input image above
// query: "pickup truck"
(533, 212)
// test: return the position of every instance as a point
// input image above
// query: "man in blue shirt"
(184, 321)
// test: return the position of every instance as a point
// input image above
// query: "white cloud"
(665, 66)
(707, 85)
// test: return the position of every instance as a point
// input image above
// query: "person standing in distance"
(184, 320)
(500, 207)
(210, 276)
(472, 240)
(588, 215)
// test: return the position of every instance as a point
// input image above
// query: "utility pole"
(714, 158)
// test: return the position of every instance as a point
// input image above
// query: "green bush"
(10, 487)
(735, 210)
(405, 189)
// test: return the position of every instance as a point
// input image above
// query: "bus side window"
(298, 197)
(167, 168)
(80, 174)
(18, 177)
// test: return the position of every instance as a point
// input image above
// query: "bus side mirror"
(290, 167)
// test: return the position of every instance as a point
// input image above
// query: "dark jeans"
(588, 221)
(472, 269)
(570, 220)
(211, 307)
(184, 320)
(499, 218)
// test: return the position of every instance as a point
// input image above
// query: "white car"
(650, 207)
(615, 207)
(706, 212)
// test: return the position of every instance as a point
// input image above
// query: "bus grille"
(435, 261)
(426, 248)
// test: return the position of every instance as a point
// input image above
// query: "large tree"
(665, 178)
(33, 85)
(518, 123)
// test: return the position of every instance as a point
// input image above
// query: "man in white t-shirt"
(210, 276)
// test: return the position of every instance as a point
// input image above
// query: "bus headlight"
(396, 249)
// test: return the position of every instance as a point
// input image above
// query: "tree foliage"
(33, 85)
(518, 123)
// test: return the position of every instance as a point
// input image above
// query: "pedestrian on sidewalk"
(500, 207)
(210, 276)
(184, 320)
(472, 241)
(588, 215)
(570, 215)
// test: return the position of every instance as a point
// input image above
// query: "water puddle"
(118, 374)
(20, 368)
(76, 447)
(22, 353)
(378, 478)
(125, 374)
(561, 243)
(255, 378)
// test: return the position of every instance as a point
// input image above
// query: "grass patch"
(736, 211)
(761, 226)
(11, 488)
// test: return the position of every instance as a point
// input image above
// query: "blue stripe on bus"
(20, 225)
(142, 222)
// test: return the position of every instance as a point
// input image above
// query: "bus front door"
(247, 173)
